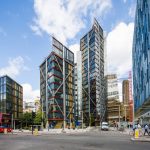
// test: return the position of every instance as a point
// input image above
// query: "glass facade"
(93, 97)
(141, 58)
(58, 65)
(76, 98)
(11, 97)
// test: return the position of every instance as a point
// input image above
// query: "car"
(121, 128)
(105, 126)
(2, 129)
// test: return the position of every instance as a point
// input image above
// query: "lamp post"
(82, 119)
(119, 115)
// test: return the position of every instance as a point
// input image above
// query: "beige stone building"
(115, 111)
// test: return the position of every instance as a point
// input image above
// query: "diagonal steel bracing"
(50, 90)
(96, 77)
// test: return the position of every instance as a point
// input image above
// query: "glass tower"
(57, 86)
(141, 59)
(93, 82)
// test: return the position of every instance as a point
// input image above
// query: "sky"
(26, 27)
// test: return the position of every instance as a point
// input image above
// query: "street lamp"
(119, 115)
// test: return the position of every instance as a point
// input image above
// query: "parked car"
(121, 128)
(105, 126)
(3, 127)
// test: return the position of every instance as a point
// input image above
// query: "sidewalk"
(51, 131)
(141, 139)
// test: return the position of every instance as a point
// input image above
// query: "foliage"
(38, 118)
(26, 119)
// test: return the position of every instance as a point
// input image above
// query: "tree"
(26, 119)
(38, 118)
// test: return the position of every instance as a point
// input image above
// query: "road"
(106, 140)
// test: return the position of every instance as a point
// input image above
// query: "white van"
(105, 126)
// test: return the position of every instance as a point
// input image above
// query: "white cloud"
(36, 30)
(2, 32)
(29, 94)
(65, 18)
(14, 68)
(75, 48)
(119, 50)
(132, 10)
(24, 36)
(124, 1)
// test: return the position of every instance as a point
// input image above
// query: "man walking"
(146, 129)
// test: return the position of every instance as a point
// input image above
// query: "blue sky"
(26, 26)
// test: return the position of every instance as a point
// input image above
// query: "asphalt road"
(87, 141)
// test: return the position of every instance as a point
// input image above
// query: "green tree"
(38, 118)
(26, 119)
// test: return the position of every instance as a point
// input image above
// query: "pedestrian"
(117, 126)
(134, 128)
(146, 128)
(139, 126)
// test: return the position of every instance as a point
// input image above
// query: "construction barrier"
(136, 135)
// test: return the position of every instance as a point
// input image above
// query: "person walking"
(146, 128)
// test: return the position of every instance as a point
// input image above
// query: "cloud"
(28, 93)
(2, 32)
(36, 30)
(124, 1)
(24, 36)
(75, 48)
(14, 68)
(119, 50)
(132, 10)
(65, 18)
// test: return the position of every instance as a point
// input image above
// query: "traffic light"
(33, 115)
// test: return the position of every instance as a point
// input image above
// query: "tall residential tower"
(57, 86)
(93, 82)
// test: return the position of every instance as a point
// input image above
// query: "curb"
(140, 140)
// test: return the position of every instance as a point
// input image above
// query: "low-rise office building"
(11, 98)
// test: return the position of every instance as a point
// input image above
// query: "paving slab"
(141, 139)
